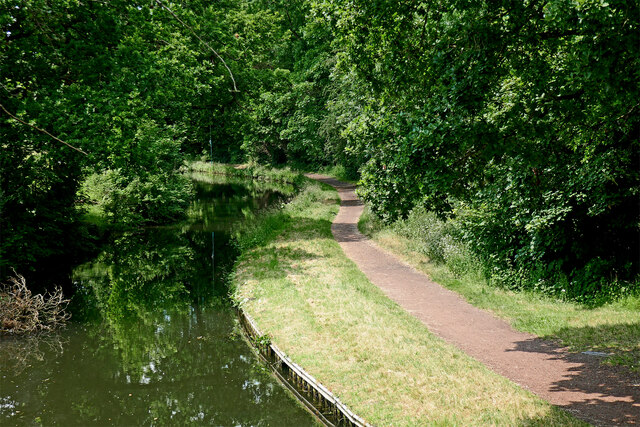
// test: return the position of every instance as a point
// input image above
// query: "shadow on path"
(356, 202)
(344, 232)
(579, 383)
(604, 393)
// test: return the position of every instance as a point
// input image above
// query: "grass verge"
(613, 327)
(316, 305)
(249, 170)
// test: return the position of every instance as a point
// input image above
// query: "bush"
(438, 239)
(151, 198)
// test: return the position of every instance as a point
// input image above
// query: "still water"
(152, 341)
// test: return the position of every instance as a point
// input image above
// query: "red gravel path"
(598, 393)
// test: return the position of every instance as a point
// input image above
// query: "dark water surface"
(152, 342)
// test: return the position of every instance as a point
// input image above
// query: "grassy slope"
(612, 328)
(323, 312)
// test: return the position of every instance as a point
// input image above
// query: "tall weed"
(439, 240)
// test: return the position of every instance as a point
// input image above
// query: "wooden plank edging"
(331, 410)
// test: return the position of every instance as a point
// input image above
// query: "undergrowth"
(607, 321)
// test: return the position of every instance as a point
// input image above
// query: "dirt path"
(600, 394)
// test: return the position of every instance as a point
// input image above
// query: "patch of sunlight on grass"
(94, 215)
(378, 359)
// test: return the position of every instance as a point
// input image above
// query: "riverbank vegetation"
(382, 362)
(607, 325)
(517, 120)
(284, 175)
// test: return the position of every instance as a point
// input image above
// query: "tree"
(127, 84)
(521, 120)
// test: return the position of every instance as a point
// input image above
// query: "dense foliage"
(518, 122)
(129, 85)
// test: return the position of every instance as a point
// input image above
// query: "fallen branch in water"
(22, 312)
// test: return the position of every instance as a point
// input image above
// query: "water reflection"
(174, 368)
(155, 346)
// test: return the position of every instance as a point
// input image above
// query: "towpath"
(579, 383)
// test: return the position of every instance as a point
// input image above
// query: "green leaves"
(520, 119)
(520, 115)
(125, 83)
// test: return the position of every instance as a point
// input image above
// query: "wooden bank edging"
(329, 409)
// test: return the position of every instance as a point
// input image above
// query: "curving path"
(600, 394)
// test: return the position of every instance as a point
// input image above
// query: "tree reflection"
(174, 367)
(137, 281)
(151, 341)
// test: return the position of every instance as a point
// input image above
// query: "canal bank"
(309, 299)
(152, 340)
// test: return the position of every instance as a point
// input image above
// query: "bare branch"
(22, 312)
(235, 89)
(42, 130)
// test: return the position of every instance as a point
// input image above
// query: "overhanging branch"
(42, 131)
(235, 89)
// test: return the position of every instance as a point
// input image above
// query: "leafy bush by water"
(151, 198)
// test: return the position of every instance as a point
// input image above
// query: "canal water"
(153, 340)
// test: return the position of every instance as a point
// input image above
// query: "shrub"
(438, 239)
(150, 198)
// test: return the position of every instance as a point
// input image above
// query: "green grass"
(317, 306)
(613, 327)
(94, 214)
(249, 170)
